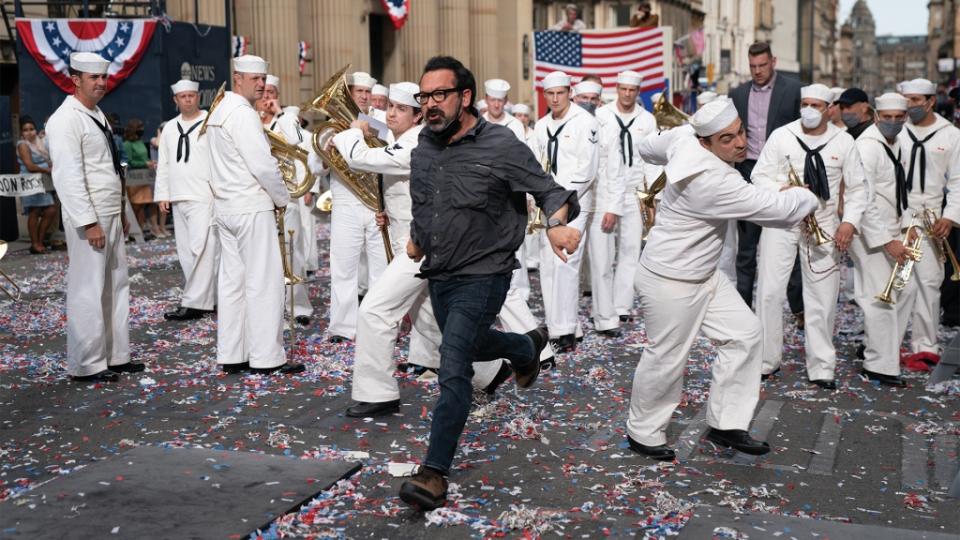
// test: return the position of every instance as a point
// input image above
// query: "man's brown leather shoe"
(427, 490)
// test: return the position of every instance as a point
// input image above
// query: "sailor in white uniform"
(931, 140)
(183, 183)
(823, 156)
(87, 174)
(353, 233)
(880, 245)
(566, 138)
(247, 190)
(619, 227)
(683, 294)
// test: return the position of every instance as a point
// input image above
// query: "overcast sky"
(896, 17)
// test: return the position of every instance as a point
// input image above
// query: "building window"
(620, 14)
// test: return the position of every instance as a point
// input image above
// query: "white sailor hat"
(361, 78)
(249, 63)
(714, 117)
(706, 97)
(556, 79)
(587, 87)
(629, 78)
(184, 85)
(818, 91)
(836, 91)
(918, 86)
(520, 108)
(273, 80)
(655, 97)
(496, 88)
(380, 90)
(891, 101)
(402, 93)
(88, 62)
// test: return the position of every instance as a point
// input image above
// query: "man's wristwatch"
(554, 222)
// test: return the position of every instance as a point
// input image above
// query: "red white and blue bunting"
(398, 10)
(50, 42)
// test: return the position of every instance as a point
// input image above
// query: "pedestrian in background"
(33, 157)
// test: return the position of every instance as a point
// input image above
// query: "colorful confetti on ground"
(551, 461)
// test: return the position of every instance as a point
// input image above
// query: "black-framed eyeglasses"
(438, 95)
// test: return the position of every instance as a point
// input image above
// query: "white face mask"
(810, 118)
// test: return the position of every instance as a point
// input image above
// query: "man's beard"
(448, 127)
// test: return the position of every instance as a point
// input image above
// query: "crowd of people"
(441, 202)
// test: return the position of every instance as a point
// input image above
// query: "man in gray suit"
(764, 104)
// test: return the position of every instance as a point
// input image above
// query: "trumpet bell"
(668, 116)
(325, 202)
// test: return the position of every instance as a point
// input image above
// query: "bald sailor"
(683, 294)
(247, 190)
(183, 185)
(89, 180)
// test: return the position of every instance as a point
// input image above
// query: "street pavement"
(864, 461)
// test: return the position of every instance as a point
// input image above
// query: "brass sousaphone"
(335, 102)
(667, 117)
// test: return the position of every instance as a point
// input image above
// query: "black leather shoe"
(801, 320)
(587, 294)
(659, 453)
(502, 375)
(548, 364)
(129, 367)
(183, 314)
(612, 333)
(861, 350)
(338, 339)
(426, 491)
(765, 376)
(283, 369)
(566, 343)
(235, 368)
(625, 318)
(889, 380)
(526, 376)
(826, 384)
(302, 320)
(364, 409)
(739, 440)
(104, 376)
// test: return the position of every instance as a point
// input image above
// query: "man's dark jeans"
(748, 237)
(466, 308)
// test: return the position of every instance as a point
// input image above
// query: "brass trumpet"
(941, 247)
(14, 293)
(902, 271)
(325, 202)
(213, 105)
(810, 222)
(536, 223)
(668, 116)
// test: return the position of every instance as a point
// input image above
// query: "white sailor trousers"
(309, 237)
(98, 300)
(560, 282)
(776, 254)
(301, 291)
(629, 242)
(673, 313)
(515, 316)
(250, 291)
(198, 249)
(883, 324)
(921, 299)
(600, 254)
(520, 280)
(353, 231)
(398, 292)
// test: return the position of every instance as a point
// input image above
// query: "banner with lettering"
(21, 185)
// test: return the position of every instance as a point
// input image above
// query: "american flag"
(604, 53)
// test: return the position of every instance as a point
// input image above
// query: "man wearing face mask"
(587, 92)
(823, 156)
(855, 112)
(880, 247)
(567, 139)
(931, 147)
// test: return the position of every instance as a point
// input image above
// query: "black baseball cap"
(853, 95)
